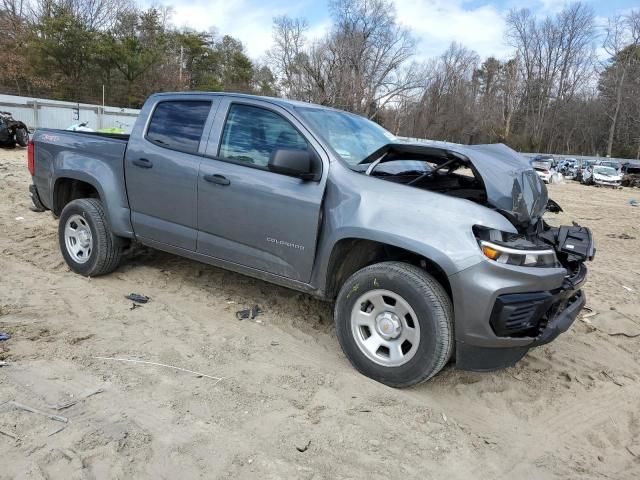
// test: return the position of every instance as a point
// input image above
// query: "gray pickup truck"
(431, 251)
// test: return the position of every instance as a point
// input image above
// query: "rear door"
(161, 167)
(247, 214)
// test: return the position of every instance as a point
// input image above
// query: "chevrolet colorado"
(431, 251)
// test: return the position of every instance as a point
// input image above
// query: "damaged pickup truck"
(431, 251)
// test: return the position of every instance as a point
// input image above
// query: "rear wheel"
(394, 323)
(86, 242)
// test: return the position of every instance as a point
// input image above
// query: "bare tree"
(285, 57)
(557, 61)
(361, 65)
(623, 37)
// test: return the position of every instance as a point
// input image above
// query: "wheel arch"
(69, 188)
(71, 183)
(351, 254)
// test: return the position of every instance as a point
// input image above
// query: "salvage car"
(12, 131)
(431, 252)
(616, 165)
(631, 174)
(602, 176)
(583, 166)
(544, 168)
(568, 167)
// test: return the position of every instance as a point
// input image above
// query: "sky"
(477, 24)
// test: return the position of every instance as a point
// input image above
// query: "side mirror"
(295, 163)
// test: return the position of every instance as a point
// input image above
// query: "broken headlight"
(512, 249)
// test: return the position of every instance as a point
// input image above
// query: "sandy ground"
(568, 410)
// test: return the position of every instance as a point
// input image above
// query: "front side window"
(179, 124)
(251, 134)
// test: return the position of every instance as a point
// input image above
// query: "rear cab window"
(178, 124)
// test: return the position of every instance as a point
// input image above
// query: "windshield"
(352, 137)
(541, 164)
(610, 164)
(605, 171)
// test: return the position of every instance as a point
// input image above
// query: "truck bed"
(80, 155)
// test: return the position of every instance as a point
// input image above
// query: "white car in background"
(544, 169)
(602, 176)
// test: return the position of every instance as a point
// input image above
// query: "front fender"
(432, 225)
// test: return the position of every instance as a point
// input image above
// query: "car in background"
(631, 174)
(581, 167)
(544, 168)
(602, 176)
(611, 163)
(568, 167)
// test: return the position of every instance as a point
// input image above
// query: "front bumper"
(501, 314)
(608, 183)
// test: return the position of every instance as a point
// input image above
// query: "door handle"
(142, 162)
(217, 178)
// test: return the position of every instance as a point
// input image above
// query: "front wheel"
(86, 241)
(394, 322)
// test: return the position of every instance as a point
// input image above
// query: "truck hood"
(512, 185)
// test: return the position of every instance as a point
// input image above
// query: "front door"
(161, 168)
(247, 214)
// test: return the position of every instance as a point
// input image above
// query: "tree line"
(70, 49)
(571, 86)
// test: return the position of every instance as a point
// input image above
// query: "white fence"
(41, 113)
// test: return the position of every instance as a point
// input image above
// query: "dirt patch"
(289, 405)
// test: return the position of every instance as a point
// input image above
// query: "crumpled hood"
(511, 184)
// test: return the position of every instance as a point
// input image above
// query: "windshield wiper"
(435, 170)
(373, 165)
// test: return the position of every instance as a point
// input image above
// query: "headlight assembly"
(511, 249)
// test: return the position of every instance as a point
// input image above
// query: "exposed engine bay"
(433, 169)
(498, 178)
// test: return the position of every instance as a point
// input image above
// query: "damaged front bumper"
(607, 183)
(502, 311)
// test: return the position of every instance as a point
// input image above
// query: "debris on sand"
(198, 374)
(136, 297)
(304, 448)
(611, 377)
(622, 236)
(11, 435)
(66, 405)
(27, 408)
(4, 336)
(249, 313)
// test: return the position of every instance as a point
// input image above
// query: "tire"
(363, 310)
(86, 218)
(22, 137)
